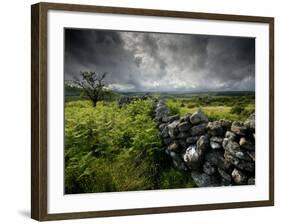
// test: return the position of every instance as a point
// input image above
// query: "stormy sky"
(138, 61)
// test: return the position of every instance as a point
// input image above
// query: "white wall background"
(15, 111)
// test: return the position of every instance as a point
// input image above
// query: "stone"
(198, 117)
(251, 181)
(231, 159)
(184, 126)
(182, 143)
(202, 145)
(192, 140)
(187, 117)
(215, 128)
(174, 147)
(167, 141)
(225, 182)
(182, 135)
(238, 128)
(198, 129)
(215, 157)
(170, 119)
(192, 157)
(203, 179)
(252, 154)
(246, 144)
(230, 135)
(247, 166)
(240, 164)
(239, 177)
(208, 168)
(224, 175)
(162, 126)
(250, 122)
(230, 145)
(234, 149)
(226, 124)
(216, 142)
(172, 129)
(163, 110)
(215, 145)
(165, 132)
(177, 161)
(216, 139)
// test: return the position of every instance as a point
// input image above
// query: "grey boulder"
(198, 117)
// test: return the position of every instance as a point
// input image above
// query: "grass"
(213, 109)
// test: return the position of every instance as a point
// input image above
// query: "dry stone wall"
(218, 153)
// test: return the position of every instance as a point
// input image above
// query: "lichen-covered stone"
(215, 128)
(224, 175)
(230, 135)
(216, 158)
(239, 177)
(193, 157)
(182, 135)
(215, 145)
(234, 149)
(184, 126)
(170, 119)
(216, 139)
(201, 179)
(165, 132)
(175, 147)
(240, 164)
(252, 154)
(208, 168)
(202, 144)
(226, 124)
(172, 129)
(250, 122)
(199, 129)
(246, 144)
(198, 117)
(192, 140)
(239, 128)
(177, 161)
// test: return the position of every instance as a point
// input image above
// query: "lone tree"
(92, 85)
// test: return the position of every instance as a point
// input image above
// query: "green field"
(108, 148)
(215, 107)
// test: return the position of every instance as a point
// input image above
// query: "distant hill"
(71, 91)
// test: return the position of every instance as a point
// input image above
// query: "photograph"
(153, 111)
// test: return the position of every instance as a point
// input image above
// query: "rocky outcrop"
(217, 153)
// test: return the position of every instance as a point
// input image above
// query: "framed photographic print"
(139, 111)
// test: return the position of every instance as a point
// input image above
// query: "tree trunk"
(94, 103)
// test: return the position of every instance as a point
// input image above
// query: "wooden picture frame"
(39, 110)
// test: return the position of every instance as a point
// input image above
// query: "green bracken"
(108, 148)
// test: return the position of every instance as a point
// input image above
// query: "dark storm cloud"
(138, 61)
